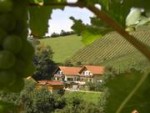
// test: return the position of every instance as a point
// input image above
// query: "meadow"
(91, 97)
(63, 47)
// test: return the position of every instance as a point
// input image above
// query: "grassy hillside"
(113, 50)
(64, 47)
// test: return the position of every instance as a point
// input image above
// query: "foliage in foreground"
(124, 90)
(16, 52)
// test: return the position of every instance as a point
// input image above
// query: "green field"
(63, 47)
(113, 50)
(91, 97)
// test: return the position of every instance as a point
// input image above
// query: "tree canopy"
(44, 64)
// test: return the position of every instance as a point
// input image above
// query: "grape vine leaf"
(92, 32)
(140, 99)
(119, 88)
(133, 17)
(40, 15)
(39, 2)
(38, 21)
(88, 34)
(137, 18)
(116, 9)
(54, 1)
(119, 9)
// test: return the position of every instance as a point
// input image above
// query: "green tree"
(68, 63)
(44, 64)
(40, 101)
(76, 104)
(96, 86)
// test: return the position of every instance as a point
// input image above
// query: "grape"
(17, 86)
(19, 66)
(30, 68)
(7, 59)
(2, 35)
(5, 5)
(24, 69)
(7, 77)
(27, 51)
(21, 29)
(18, 12)
(16, 52)
(7, 22)
(2, 108)
(12, 43)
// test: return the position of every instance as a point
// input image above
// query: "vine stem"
(133, 91)
(135, 42)
(57, 4)
(108, 20)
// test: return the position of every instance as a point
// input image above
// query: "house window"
(69, 79)
(86, 73)
(78, 79)
(60, 72)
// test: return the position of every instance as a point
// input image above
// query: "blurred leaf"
(119, 88)
(6, 107)
(39, 17)
(141, 4)
(92, 32)
(133, 17)
(53, 1)
(143, 21)
(40, 2)
(78, 26)
(140, 100)
(119, 9)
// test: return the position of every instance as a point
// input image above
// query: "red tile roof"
(50, 82)
(95, 69)
(70, 70)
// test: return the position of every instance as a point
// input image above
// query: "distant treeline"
(63, 33)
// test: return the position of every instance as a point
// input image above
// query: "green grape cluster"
(16, 52)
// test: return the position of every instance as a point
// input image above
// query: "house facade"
(64, 73)
(90, 73)
(86, 73)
